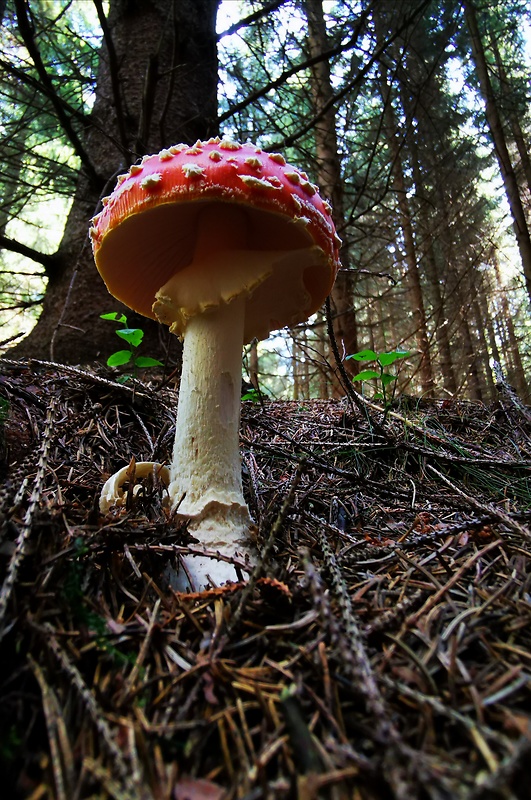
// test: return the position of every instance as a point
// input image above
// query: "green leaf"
(389, 358)
(132, 336)
(123, 378)
(387, 379)
(253, 395)
(116, 317)
(366, 375)
(119, 358)
(146, 361)
(363, 355)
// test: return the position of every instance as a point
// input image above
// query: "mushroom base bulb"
(221, 527)
(227, 531)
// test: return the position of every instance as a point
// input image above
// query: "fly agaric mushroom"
(224, 243)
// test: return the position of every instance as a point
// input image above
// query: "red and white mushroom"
(224, 243)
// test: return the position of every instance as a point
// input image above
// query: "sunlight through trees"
(412, 117)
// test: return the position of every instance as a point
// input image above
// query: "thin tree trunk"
(296, 364)
(488, 321)
(305, 364)
(446, 360)
(410, 256)
(488, 388)
(254, 365)
(404, 217)
(501, 330)
(321, 345)
(514, 121)
(517, 376)
(470, 367)
(500, 145)
(329, 175)
(441, 328)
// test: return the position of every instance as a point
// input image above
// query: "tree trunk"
(404, 212)
(512, 114)
(517, 374)
(296, 364)
(436, 275)
(469, 367)
(254, 365)
(488, 318)
(329, 175)
(488, 388)
(521, 229)
(156, 86)
(323, 361)
(410, 256)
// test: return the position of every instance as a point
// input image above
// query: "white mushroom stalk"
(205, 474)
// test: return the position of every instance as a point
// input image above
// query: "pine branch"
(358, 79)
(49, 262)
(29, 80)
(294, 70)
(40, 88)
(26, 31)
(326, 55)
(243, 23)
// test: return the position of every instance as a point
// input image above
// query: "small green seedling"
(382, 360)
(133, 337)
(252, 394)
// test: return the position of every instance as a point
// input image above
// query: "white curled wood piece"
(112, 493)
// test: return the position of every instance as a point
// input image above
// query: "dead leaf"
(197, 789)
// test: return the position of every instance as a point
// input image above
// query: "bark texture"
(329, 175)
(156, 86)
(497, 132)
(407, 235)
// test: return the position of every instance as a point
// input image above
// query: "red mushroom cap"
(146, 230)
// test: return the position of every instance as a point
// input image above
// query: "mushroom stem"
(205, 474)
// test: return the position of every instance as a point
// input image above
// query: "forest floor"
(381, 650)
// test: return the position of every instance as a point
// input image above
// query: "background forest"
(380, 649)
(412, 116)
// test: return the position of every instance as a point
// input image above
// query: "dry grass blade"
(25, 527)
(484, 508)
(60, 750)
(87, 697)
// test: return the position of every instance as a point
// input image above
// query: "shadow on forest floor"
(382, 651)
